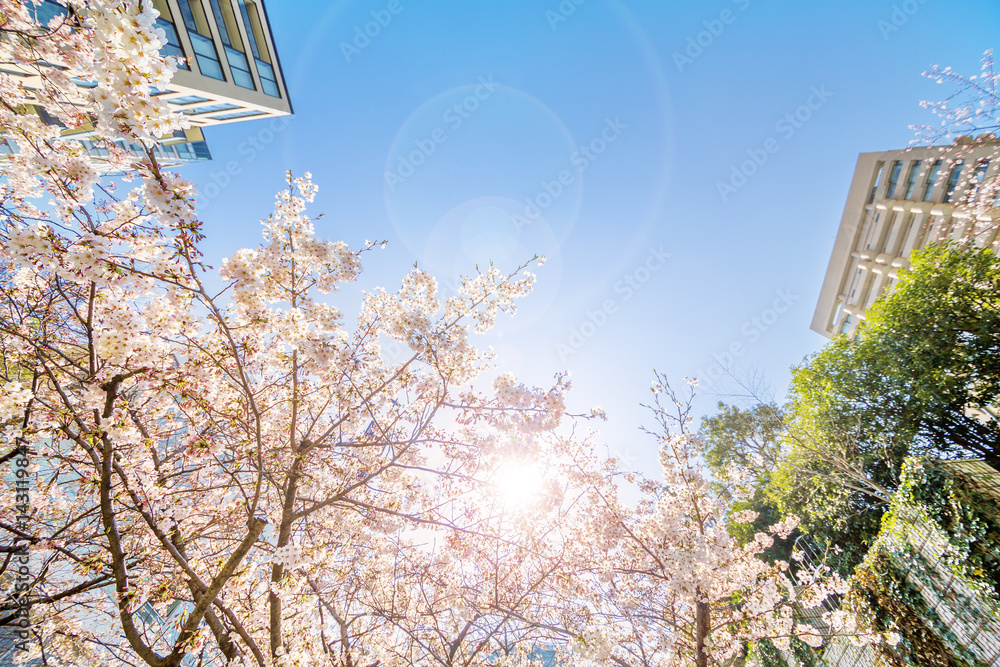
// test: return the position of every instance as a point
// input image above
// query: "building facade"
(899, 202)
(229, 72)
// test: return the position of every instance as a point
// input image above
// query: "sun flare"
(519, 483)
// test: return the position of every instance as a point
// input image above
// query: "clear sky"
(597, 132)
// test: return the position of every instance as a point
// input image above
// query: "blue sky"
(597, 134)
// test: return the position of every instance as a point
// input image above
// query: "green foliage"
(928, 350)
(938, 508)
(766, 654)
(749, 439)
(938, 336)
(737, 436)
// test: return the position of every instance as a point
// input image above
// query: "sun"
(519, 483)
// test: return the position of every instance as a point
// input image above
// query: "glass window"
(956, 173)
(890, 188)
(255, 31)
(888, 232)
(208, 59)
(194, 17)
(871, 231)
(173, 45)
(190, 99)
(232, 44)
(204, 49)
(932, 176)
(209, 109)
(854, 283)
(978, 176)
(911, 179)
(45, 12)
(846, 326)
(267, 79)
(879, 168)
(238, 114)
(225, 20)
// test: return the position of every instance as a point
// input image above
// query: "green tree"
(925, 362)
(938, 338)
(750, 439)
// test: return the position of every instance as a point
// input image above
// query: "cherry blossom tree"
(969, 118)
(228, 474)
(972, 106)
(237, 475)
(678, 589)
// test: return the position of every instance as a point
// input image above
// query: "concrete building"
(232, 70)
(899, 202)
(229, 71)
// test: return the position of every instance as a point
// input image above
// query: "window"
(846, 326)
(904, 234)
(911, 179)
(871, 231)
(232, 44)
(258, 46)
(929, 183)
(204, 50)
(267, 79)
(888, 233)
(226, 22)
(46, 11)
(255, 30)
(190, 99)
(879, 168)
(854, 284)
(194, 17)
(173, 45)
(890, 188)
(956, 173)
(978, 176)
(209, 109)
(238, 114)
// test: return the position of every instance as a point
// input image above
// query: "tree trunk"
(702, 624)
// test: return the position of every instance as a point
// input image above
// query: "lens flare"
(519, 484)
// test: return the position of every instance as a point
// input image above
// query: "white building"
(229, 72)
(900, 201)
